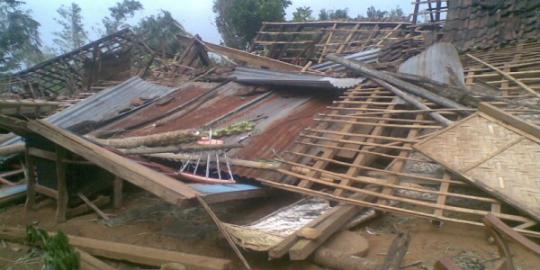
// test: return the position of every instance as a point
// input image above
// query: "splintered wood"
(301, 42)
(496, 156)
(363, 146)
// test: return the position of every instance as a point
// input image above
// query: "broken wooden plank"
(396, 252)
(169, 189)
(93, 206)
(130, 253)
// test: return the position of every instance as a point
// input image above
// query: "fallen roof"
(301, 42)
(211, 105)
(69, 69)
(106, 104)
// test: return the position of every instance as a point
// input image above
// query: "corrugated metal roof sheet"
(267, 77)
(105, 104)
(368, 56)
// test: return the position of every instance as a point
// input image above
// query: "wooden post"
(30, 180)
(61, 185)
(118, 186)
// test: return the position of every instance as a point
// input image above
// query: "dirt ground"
(190, 230)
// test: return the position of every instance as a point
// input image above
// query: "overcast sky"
(195, 15)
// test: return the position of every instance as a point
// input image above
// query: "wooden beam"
(509, 119)
(167, 188)
(130, 253)
(30, 175)
(496, 224)
(245, 57)
(305, 247)
(93, 206)
(61, 186)
(224, 232)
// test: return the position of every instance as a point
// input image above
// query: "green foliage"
(119, 14)
(338, 14)
(72, 35)
(303, 14)
(59, 255)
(19, 35)
(239, 20)
(159, 32)
(236, 128)
(394, 14)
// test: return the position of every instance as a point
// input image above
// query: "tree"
(159, 32)
(302, 14)
(119, 14)
(19, 35)
(73, 34)
(394, 14)
(239, 20)
(375, 14)
(397, 14)
(338, 14)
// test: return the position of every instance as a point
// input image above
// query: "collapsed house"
(364, 119)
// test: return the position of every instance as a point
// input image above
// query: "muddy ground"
(190, 230)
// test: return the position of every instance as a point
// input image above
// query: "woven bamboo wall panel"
(514, 172)
(496, 158)
(459, 150)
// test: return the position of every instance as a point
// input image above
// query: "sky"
(195, 15)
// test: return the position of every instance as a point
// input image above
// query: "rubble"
(322, 134)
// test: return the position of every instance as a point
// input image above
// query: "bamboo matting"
(496, 157)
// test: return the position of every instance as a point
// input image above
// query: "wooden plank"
(509, 119)
(93, 206)
(169, 189)
(496, 224)
(130, 253)
(304, 247)
(251, 59)
(89, 262)
(224, 232)
(61, 186)
(31, 181)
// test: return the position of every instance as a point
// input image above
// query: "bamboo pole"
(409, 87)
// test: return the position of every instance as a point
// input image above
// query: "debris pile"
(348, 144)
